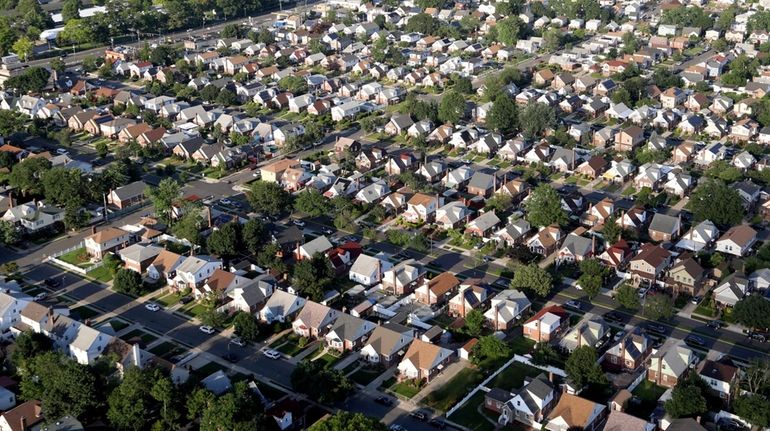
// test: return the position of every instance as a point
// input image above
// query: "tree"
(753, 311)
(346, 421)
(421, 23)
(189, 225)
(224, 242)
(489, 349)
(312, 203)
(463, 85)
(127, 281)
(544, 207)
(756, 377)
(611, 230)
(27, 346)
(715, 201)
(254, 235)
(532, 278)
(76, 31)
(9, 234)
(226, 98)
(102, 149)
(165, 392)
(163, 197)
(210, 316)
(313, 276)
(509, 30)
(552, 39)
(504, 115)
(313, 379)
(754, 408)
(659, 307)
(70, 10)
(293, 84)
(499, 202)
(628, 297)
(129, 403)
(246, 326)
(592, 277)
(268, 198)
(451, 108)
(26, 175)
(64, 387)
(209, 93)
(687, 398)
(23, 47)
(536, 118)
(582, 369)
(474, 322)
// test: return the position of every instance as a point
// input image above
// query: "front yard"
(407, 388)
(290, 344)
(146, 338)
(101, 274)
(454, 390)
(365, 375)
(78, 257)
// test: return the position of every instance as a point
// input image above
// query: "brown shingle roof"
(573, 409)
(107, 234)
(443, 283)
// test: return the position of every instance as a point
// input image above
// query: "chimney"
(208, 216)
(593, 245)
(10, 198)
(137, 354)
(550, 376)
(93, 229)
(23, 423)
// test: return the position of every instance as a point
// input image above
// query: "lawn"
(144, 336)
(448, 395)
(365, 375)
(194, 309)
(85, 313)
(77, 257)
(512, 378)
(168, 300)
(166, 350)
(101, 273)
(118, 325)
(630, 190)
(704, 310)
(611, 188)
(727, 316)
(406, 389)
(288, 345)
(329, 360)
(521, 345)
(469, 416)
(649, 391)
(208, 369)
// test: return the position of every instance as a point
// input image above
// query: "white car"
(237, 341)
(40, 296)
(207, 329)
(62, 151)
(299, 223)
(225, 201)
(272, 354)
(152, 307)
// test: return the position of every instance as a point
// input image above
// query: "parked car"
(714, 324)
(62, 151)
(619, 335)
(272, 354)
(642, 292)
(152, 307)
(40, 296)
(419, 415)
(437, 423)
(186, 299)
(757, 336)
(207, 329)
(385, 401)
(396, 427)
(696, 300)
(694, 339)
(237, 341)
(655, 327)
(225, 201)
(230, 357)
(612, 317)
(327, 230)
(299, 223)
(573, 304)
(52, 282)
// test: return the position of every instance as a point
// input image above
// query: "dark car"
(612, 317)
(327, 230)
(385, 401)
(52, 282)
(757, 336)
(186, 299)
(656, 327)
(714, 324)
(437, 423)
(420, 416)
(230, 357)
(694, 339)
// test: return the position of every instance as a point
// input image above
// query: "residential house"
(437, 290)
(649, 264)
(670, 364)
(721, 376)
(194, 271)
(737, 241)
(348, 332)
(591, 331)
(281, 307)
(109, 239)
(507, 307)
(547, 324)
(531, 404)
(699, 237)
(421, 208)
(664, 227)
(629, 353)
(574, 412)
(138, 257)
(403, 277)
(34, 216)
(470, 295)
(575, 249)
(164, 265)
(387, 343)
(483, 225)
(369, 270)
(546, 241)
(423, 361)
(731, 290)
(314, 319)
(685, 276)
(128, 195)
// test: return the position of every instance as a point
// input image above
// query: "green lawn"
(194, 309)
(166, 350)
(365, 375)
(78, 257)
(522, 345)
(705, 310)
(649, 391)
(85, 313)
(208, 369)
(406, 389)
(611, 187)
(168, 300)
(101, 273)
(329, 360)
(118, 325)
(448, 395)
(512, 378)
(469, 416)
(144, 336)
(630, 190)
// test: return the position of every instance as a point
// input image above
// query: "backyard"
(454, 390)
(646, 398)
(78, 257)
(512, 378)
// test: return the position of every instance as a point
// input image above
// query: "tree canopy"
(64, 387)
(687, 398)
(544, 207)
(313, 379)
(127, 281)
(715, 201)
(346, 421)
(533, 278)
(753, 311)
(224, 241)
(582, 369)
(452, 107)
(268, 198)
(536, 118)
(504, 115)
(313, 276)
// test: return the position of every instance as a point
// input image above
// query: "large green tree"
(163, 197)
(224, 241)
(320, 383)
(452, 107)
(533, 278)
(753, 311)
(582, 368)
(504, 115)
(346, 421)
(254, 235)
(628, 297)
(544, 207)
(687, 398)
(715, 201)
(130, 402)
(754, 408)
(536, 118)
(27, 345)
(26, 175)
(268, 198)
(658, 307)
(312, 203)
(246, 326)
(313, 276)
(127, 281)
(64, 387)
(509, 30)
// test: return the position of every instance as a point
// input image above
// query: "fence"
(639, 379)
(70, 267)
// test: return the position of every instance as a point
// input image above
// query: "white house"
(281, 307)
(737, 241)
(368, 270)
(194, 271)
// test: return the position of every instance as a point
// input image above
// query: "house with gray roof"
(128, 195)
(138, 257)
(670, 363)
(591, 331)
(575, 248)
(281, 307)
(309, 249)
(348, 332)
(664, 227)
(531, 403)
(731, 290)
(483, 225)
(506, 308)
(387, 344)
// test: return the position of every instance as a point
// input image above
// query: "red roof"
(554, 309)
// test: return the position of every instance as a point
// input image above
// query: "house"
(248, 297)
(731, 290)
(470, 295)
(590, 331)
(281, 307)
(319, 245)
(506, 308)
(128, 195)
(273, 172)
(164, 265)
(664, 227)
(649, 264)
(616, 255)
(194, 271)
(593, 167)
(314, 320)
(620, 421)
(437, 290)
(398, 124)
(421, 208)
(699, 237)
(218, 283)
(482, 184)
(368, 270)
(531, 403)
(138, 257)
(483, 225)
(574, 412)
(737, 241)
(11, 306)
(629, 353)
(546, 241)
(348, 332)
(34, 216)
(25, 416)
(547, 324)
(403, 277)
(423, 361)
(685, 276)
(575, 249)
(670, 364)
(721, 376)
(386, 344)
(513, 233)
(629, 138)
(598, 212)
(106, 240)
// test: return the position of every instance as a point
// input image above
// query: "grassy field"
(78, 257)
(469, 416)
(522, 345)
(208, 369)
(448, 395)
(512, 378)
(704, 310)
(101, 274)
(365, 375)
